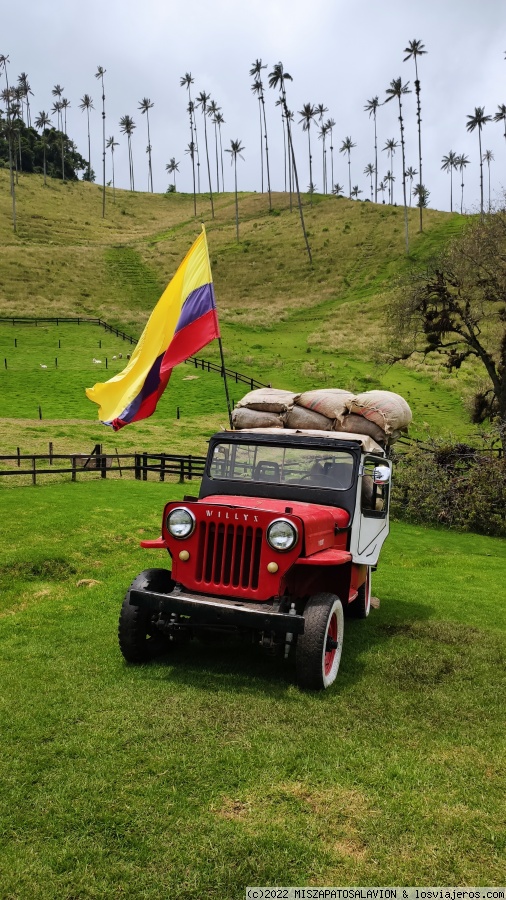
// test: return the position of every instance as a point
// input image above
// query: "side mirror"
(381, 475)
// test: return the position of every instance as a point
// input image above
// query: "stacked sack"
(382, 415)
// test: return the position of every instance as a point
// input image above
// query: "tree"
(87, 104)
(187, 81)
(219, 121)
(145, 105)
(488, 157)
(338, 190)
(110, 145)
(127, 125)
(410, 173)
(382, 187)
(422, 195)
(172, 167)
(455, 309)
(277, 79)
(355, 191)
(203, 101)
(258, 88)
(100, 75)
(500, 116)
(370, 171)
(25, 91)
(391, 146)
(42, 122)
(8, 130)
(322, 136)
(448, 165)
(346, 147)
(214, 111)
(307, 114)
(235, 150)
(390, 178)
(478, 120)
(415, 49)
(371, 107)
(398, 89)
(330, 125)
(461, 162)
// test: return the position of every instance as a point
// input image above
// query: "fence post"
(73, 468)
(177, 412)
(144, 466)
(162, 467)
(34, 477)
(190, 467)
(50, 453)
(40, 412)
(181, 470)
(19, 457)
(103, 466)
(137, 466)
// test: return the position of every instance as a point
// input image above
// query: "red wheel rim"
(331, 654)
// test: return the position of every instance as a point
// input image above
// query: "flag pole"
(224, 373)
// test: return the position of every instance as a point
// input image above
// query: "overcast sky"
(339, 53)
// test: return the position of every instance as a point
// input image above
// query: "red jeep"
(279, 544)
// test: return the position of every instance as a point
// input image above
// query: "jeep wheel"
(139, 640)
(318, 651)
(361, 606)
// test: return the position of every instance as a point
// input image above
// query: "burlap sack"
(299, 417)
(330, 402)
(386, 409)
(243, 417)
(359, 425)
(268, 400)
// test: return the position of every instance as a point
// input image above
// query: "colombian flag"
(183, 321)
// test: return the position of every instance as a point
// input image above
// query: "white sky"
(338, 53)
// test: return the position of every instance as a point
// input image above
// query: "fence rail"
(204, 364)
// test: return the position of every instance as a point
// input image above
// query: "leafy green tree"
(415, 49)
(277, 79)
(478, 120)
(371, 107)
(111, 144)
(100, 75)
(346, 147)
(85, 105)
(397, 89)
(203, 101)
(448, 165)
(235, 150)
(127, 126)
(145, 105)
(307, 114)
(42, 122)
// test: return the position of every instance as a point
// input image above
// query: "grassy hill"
(283, 322)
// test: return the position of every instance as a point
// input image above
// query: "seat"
(339, 475)
(266, 471)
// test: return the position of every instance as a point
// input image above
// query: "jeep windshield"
(267, 464)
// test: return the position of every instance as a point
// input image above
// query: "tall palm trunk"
(266, 153)
(236, 200)
(89, 144)
(401, 122)
(481, 172)
(221, 157)
(208, 166)
(310, 162)
(375, 160)
(217, 159)
(150, 168)
(261, 144)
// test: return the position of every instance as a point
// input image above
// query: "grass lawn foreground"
(209, 770)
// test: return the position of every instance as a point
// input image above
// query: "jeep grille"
(228, 555)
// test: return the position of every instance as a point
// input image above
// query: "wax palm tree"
(145, 105)
(203, 101)
(355, 191)
(346, 147)
(110, 145)
(488, 157)
(277, 79)
(398, 89)
(65, 105)
(330, 125)
(187, 81)
(371, 107)
(57, 108)
(422, 195)
(25, 89)
(448, 165)
(9, 134)
(410, 173)
(212, 111)
(87, 104)
(338, 190)
(190, 150)
(172, 167)
(415, 49)
(461, 162)
(127, 125)
(235, 150)
(322, 136)
(42, 122)
(256, 73)
(382, 187)
(99, 74)
(478, 120)
(219, 122)
(285, 154)
(370, 171)
(57, 91)
(500, 116)
(307, 114)
(390, 178)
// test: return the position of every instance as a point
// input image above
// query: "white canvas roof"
(367, 443)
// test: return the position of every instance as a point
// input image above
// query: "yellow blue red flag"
(183, 321)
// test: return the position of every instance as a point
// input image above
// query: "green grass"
(208, 770)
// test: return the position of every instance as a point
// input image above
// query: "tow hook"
(289, 635)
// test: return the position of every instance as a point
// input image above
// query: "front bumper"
(220, 611)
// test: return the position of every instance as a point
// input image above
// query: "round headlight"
(282, 535)
(180, 522)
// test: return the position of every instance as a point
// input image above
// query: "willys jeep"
(279, 546)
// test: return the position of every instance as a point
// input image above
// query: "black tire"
(361, 606)
(317, 663)
(139, 640)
